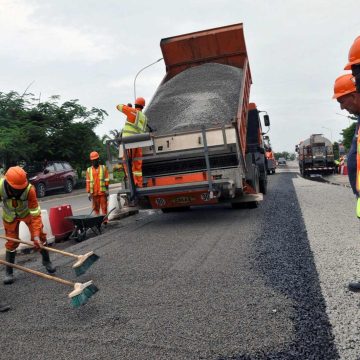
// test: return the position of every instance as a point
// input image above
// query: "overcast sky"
(91, 50)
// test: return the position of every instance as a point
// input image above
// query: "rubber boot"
(4, 307)
(50, 268)
(354, 286)
(9, 271)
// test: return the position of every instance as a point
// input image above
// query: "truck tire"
(255, 179)
(263, 186)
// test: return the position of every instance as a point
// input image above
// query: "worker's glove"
(90, 197)
(107, 193)
(38, 243)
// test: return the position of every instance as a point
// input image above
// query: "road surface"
(210, 283)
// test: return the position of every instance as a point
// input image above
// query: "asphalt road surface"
(209, 283)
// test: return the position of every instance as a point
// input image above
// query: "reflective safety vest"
(101, 178)
(137, 127)
(10, 212)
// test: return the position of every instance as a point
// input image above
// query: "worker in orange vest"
(20, 203)
(345, 93)
(136, 123)
(97, 184)
(353, 158)
(269, 154)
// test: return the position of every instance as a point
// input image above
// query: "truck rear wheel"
(263, 186)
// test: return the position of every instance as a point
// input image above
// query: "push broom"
(82, 264)
(79, 296)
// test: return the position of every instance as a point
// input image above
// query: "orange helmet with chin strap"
(354, 54)
(16, 178)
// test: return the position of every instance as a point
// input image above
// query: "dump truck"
(316, 156)
(200, 151)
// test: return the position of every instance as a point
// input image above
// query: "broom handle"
(45, 247)
(38, 273)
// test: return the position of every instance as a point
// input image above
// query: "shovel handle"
(38, 273)
(44, 247)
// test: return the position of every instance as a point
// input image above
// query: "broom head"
(82, 293)
(84, 262)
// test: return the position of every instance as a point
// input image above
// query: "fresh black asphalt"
(210, 283)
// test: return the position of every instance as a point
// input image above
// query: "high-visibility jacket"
(358, 161)
(136, 121)
(19, 208)
(97, 180)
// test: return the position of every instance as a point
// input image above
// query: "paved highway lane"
(210, 283)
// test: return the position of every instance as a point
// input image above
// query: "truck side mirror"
(266, 120)
(296, 148)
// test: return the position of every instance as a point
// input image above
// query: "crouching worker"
(19, 203)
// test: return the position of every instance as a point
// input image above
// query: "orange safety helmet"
(354, 54)
(140, 101)
(16, 177)
(94, 155)
(344, 85)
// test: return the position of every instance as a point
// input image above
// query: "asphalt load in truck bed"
(206, 95)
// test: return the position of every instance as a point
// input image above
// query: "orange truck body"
(230, 176)
(224, 45)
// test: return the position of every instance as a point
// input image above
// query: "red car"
(53, 175)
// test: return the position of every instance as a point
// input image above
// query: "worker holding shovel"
(20, 203)
(97, 184)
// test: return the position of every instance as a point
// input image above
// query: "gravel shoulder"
(333, 233)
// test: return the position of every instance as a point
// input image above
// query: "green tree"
(33, 131)
(348, 134)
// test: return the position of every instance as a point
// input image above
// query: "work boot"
(4, 307)
(9, 271)
(354, 286)
(50, 268)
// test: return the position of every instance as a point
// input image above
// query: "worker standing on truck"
(345, 93)
(20, 203)
(97, 184)
(136, 123)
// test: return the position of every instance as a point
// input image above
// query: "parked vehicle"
(198, 153)
(316, 156)
(50, 176)
(281, 161)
